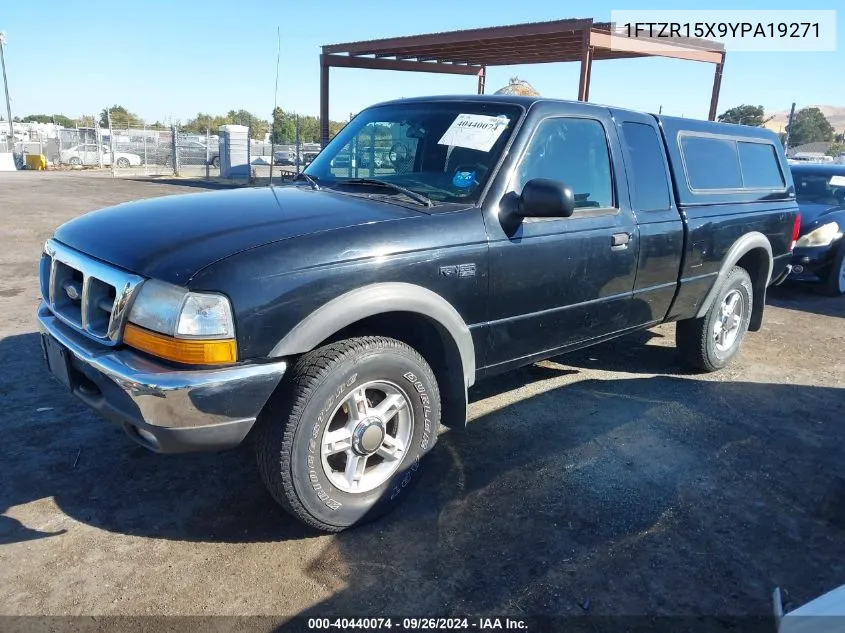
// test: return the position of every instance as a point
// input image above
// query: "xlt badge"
(458, 270)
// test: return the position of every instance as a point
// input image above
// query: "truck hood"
(173, 237)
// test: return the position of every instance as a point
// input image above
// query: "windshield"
(445, 151)
(821, 188)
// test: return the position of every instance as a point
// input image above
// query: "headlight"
(822, 236)
(188, 327)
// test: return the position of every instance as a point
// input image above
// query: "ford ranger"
(339, 319)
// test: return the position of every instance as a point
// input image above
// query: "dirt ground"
(610, 481)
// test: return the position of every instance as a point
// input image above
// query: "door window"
(572, 151)
(647, 168)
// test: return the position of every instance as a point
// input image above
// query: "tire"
(215, 162)
(75, 161)
(710, 342)
(168, 161)
(835, 284)
(306, 474)
(122, 162)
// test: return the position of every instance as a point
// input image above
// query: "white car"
(87, 155)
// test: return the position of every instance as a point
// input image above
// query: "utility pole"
(6, 88)
(788, 129)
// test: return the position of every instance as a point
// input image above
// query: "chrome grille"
(85, 293)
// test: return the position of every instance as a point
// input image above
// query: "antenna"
(275, 102)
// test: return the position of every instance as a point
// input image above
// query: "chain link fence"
(129, 147)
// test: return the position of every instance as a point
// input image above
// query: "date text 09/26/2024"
(417, 624)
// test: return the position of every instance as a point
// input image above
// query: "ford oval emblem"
(72, 292)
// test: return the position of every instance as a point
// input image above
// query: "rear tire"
(835, 284)
(710, 342)
(122, 162)
(342, 439)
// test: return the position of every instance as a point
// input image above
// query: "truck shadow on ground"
(560, 490)
(804, 298)
(644, 352)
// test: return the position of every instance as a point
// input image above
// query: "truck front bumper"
(165, 409)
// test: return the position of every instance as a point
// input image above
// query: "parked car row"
(288, 157)
(190, 153)
(89, 155)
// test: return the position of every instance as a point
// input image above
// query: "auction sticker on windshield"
(475, 131)
(837, 181)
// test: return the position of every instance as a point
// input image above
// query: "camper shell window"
(723, 163)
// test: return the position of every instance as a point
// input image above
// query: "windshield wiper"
(418, 197)
(309, 179)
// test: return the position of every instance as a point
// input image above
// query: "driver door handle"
(619, 241)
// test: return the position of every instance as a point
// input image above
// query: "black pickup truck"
(340, 319)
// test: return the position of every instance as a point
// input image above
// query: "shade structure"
(471, 51)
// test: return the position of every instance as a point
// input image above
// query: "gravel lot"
(610, 475)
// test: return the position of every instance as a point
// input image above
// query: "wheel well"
(435, 345)
(756, 264)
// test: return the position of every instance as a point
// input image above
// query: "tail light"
(796, 229)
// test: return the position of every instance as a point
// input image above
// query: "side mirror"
(544, 198)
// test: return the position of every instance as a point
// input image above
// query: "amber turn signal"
(187, 351)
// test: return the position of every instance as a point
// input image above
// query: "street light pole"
(6, 88)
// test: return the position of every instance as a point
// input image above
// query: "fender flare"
(741, 247)
(374, 299)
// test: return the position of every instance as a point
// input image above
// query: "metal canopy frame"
(470, 52)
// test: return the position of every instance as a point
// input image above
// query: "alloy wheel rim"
(367, 436)
(727, 325)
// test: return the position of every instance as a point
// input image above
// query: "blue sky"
(173, 59)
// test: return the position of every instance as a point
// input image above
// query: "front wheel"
(342, 441)
(122, 162)
(710, 342)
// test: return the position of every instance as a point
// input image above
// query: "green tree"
(284, 127)
(309, 129)
(85, 120)
(200, 124)
(120, 116)
(37, 118)
(745, 115)
(835, 149)
(258, 128)
(809, 126)
(335, 127)
(59, 119)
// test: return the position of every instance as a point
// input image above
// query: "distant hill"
(834, 114)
